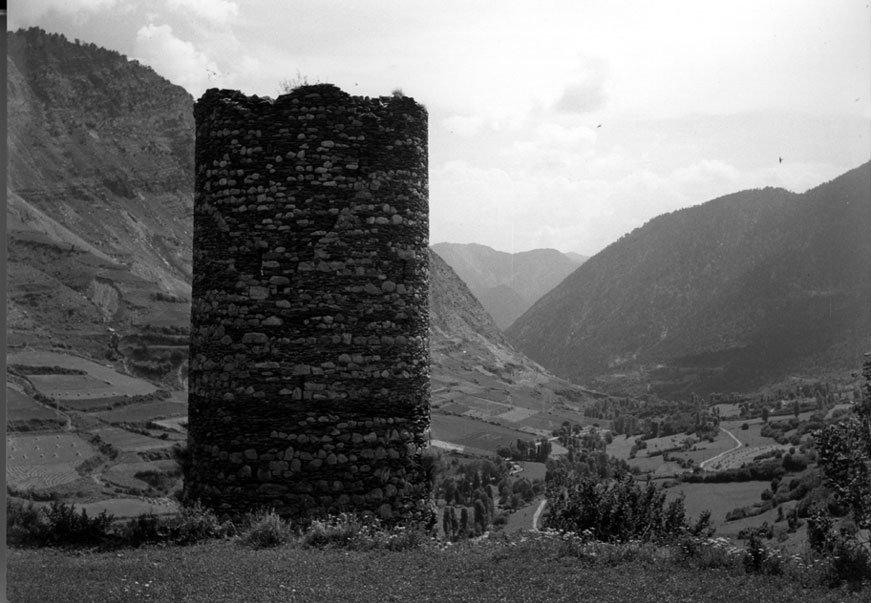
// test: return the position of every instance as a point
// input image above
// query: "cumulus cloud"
(29, 13)
(175, 59)
(219, 12)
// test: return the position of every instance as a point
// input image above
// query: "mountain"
(101, 154)
(100, 199)
(730, 295)
(507, 284)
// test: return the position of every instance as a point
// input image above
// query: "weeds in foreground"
(59, 525)
(361, 534)
(265, 529)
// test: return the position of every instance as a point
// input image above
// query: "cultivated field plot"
(73, 387)
(142, 413)
(516, 415)
(128, 441)
(45, 460)
(718, 498)
(546, 423)
(123, 508)
(178, 424)
(124, 474)
(480, 407)
(21, 407)
(472, 434)
(741, 456)
(751, 436)
(533, 470)
(100, 381)
(705, 450)
(620, 447)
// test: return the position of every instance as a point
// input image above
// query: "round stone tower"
(309, 370)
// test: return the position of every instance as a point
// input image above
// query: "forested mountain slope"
(726, 296)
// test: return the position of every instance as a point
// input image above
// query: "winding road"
(737, 445)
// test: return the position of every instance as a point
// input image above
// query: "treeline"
(475, 492)
(652, 417)
(586, 455)
(525, 450)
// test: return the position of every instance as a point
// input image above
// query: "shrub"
(196, 524)
(25, 524)
(56, 525)
(617, 510)
(266, 529)
(760, 559)
(146, 528)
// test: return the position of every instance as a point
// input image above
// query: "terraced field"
(44, 460)
(124, 474)
(127, 441)
(141, 413)
(21, 408)
(99, 383)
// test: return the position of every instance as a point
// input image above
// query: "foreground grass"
(524, 569)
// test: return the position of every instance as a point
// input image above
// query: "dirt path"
(737, 445)
(537, 514)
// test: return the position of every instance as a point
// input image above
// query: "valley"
(738, 321)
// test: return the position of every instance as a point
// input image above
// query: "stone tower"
(309, 370)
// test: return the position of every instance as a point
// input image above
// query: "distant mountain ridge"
(507, 284)
(725, 296)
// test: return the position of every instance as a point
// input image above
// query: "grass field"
(23, 408)
(100, 382)
(532, 471)
(473, 435)
(719, 499)
(44, 460)
(125, 508)
(124, 474)
(141, 413)
(128, 441)
(523, 569)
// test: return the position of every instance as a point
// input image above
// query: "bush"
(266, 529)
(197, 524)
(56, 525)
(617, 510)
(144, 529)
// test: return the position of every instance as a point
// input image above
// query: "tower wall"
(309, 374)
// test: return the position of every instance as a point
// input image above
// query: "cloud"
(175, 59)
(29, 13)
(587, 91)
(218, 12)
(585, 97)
(464, 125)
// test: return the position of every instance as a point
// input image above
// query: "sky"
(561, 124)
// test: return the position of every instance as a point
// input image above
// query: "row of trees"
(525, 450)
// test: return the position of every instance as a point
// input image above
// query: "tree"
(464, 521)
(844, 453)
(845, 457)
(765, 414)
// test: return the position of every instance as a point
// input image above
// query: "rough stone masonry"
(309, 371)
